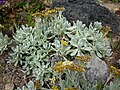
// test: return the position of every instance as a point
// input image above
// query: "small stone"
(96, 70)
(9, 86)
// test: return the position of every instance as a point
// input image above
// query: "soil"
(10, 73)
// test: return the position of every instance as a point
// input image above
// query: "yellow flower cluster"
(74, 67)
(84, 58)
(64, 43)
(73, 88)
(115, 71)
(61, 66)
(48, 12)
(67, 62)
(53, 80)
(55, 88)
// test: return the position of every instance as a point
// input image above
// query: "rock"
(9, 86)
(88, 11)
(97, 70)
(118, 62)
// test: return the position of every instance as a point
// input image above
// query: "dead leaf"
(105, 30)
(23, 14)
(19, 10)
(37, 84)
(12, 16)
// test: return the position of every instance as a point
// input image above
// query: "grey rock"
(118, 63)
(88, 11)
(96, 70)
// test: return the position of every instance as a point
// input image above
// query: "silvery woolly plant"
(31, 51)
(82, 39)
(37, 47)
(4, 41)
(29, 86)
(88, 40)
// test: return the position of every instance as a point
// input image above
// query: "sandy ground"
(111, 6)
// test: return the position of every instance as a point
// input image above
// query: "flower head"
(74, 67)
(67, 62)
(59, 67)
(53, 80)
(68, 65)
(84, 58)
(55, 88)
(47, 12)
(63, 42)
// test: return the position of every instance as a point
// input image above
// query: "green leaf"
(98, 54)
(74, 52)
